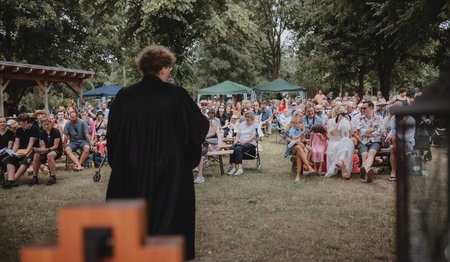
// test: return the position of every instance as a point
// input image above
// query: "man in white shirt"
(369, 128)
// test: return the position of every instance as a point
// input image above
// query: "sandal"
(78, 169)
(339, 164)
(392, 178)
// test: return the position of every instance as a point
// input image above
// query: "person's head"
(320, 92)
(249, 117)
(46, 123)
(367, 108)
(417, 89)
(156, 60)
(350, 107)
(320, 129)
(221, 110)
(402, 92)
(90, 107)
(319, 109)
(104, 106)
(84, 114)
(52, 118)
(286, 112)
(234, 118)
(100, 115)
(379, 94)
(73, 116)
(2, 123)
(39, 114)
(211, 113)
(297, 113)
(310, 112)
(296, 121)
(238, 106)
(381, 104)
(255, 106)
(282, 102)
(12, 125)
(203, 105)
(228, 109)
(23, 120)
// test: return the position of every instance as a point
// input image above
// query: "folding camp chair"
(253, 154)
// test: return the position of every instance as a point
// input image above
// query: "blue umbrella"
(109, 90)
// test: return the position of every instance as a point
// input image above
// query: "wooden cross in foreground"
(115, 231)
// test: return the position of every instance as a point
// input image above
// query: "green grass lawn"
(256, 217)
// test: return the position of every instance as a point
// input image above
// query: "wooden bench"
(216, 156)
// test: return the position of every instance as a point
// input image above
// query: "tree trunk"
(361, 75)
(385, 69)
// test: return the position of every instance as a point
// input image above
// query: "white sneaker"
(195, 169)
(232, 171)
(199, 180)
(239, 172)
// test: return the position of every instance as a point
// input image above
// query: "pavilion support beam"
(44, 86)
(3, 85)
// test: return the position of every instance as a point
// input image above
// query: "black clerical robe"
(155, 132)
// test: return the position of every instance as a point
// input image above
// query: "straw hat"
(382, 102)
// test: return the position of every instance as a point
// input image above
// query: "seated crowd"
(32, 140)
(326, 134)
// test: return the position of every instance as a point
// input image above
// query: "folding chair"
(253, 154)
(280, 137)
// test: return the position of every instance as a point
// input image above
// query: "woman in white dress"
(340, 146)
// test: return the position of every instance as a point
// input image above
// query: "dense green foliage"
(334, 45)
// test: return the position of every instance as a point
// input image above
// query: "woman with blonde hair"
(295, 137)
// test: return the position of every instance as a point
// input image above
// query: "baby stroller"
(100, 161)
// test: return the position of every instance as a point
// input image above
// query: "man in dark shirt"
(27, 137)
(50, 149)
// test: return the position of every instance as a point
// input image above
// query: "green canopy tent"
(281, 86)
(224, 88)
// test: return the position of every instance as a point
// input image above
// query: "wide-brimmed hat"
(39, 112)
(382, 102)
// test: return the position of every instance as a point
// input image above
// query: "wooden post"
(3, 85)
(45, 88)
(128, 241)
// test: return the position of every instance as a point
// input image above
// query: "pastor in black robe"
(155, 132)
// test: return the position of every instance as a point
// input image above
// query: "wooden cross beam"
(115, 231)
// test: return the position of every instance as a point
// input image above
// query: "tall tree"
(272, 18)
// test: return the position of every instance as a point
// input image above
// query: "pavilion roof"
(28, 72)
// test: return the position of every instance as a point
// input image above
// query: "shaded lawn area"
(256, 217)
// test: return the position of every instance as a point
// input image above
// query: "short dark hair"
(153, 58)
(402, 90)
(369, 103)
(24, 117)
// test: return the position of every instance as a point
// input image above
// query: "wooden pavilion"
(15, 78)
